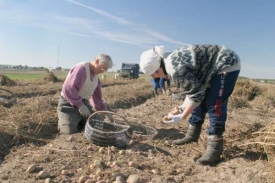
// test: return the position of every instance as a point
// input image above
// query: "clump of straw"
(49, 76)
(245, 91)
(4, 80)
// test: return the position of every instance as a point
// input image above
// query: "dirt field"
(28, 135)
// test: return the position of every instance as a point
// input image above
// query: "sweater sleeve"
(96, 101)
(193, 89)
(189, 101)
(73, 83)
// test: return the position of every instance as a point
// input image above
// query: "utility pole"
(58, 57)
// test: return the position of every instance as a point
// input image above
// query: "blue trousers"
(159, 83)
(215, 103)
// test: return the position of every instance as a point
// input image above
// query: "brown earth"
(28, 135)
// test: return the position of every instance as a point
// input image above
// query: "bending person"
(207, 75)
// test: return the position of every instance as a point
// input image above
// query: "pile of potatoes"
(98, 167)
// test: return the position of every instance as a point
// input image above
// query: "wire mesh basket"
(142, 132)
(103, 133)
(116, 133)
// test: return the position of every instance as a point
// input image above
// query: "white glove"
(84, 111)
(174, 118)
(170, 115)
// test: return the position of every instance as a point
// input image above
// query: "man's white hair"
(103, 58)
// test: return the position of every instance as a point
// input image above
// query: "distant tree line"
(20, 67)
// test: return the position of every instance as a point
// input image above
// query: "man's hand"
(84, 111)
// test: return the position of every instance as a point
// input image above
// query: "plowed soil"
(28, 135)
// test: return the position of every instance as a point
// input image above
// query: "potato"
(155, 171)
(175, 111)
(92, 176)
(121, 152)
(92, 166)
(83, 179)
(165, 118)
(113, 148)
(114, 164)
(48, 180)
(65, 172)
(101, 150)
(89, 181)
(43, 174)
(131, 164)
(31, 168)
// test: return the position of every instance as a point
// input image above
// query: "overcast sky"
(32, 31)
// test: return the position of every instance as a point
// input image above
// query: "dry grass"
(267, 99)
(34, 118)
(265, 139)
(261, 98)
(121, 93)
(266, 136)
(245, 91)
(238, 102)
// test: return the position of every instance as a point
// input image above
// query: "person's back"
(202, 62)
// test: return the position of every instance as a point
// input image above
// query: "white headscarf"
(160, 50)
(150, 60)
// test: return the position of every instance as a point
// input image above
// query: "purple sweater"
(74, 82)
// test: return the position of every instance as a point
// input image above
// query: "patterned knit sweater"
(192, 67)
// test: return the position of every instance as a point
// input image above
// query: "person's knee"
(68, 123)
(68, 129)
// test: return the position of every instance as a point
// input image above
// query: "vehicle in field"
(129, 70)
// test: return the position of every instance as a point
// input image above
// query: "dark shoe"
(213, 151)
(192, 135)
